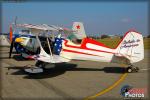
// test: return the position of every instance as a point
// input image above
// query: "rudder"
(131, 47)
(79, 30)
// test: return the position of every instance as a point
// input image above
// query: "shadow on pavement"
(61, 69)
(19, 58)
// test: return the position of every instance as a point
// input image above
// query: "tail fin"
(131, 46)
(79, 30)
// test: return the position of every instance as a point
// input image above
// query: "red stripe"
(30, 57)
(85, 48)
(79, 52)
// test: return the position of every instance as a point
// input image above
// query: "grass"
(112, 43)
(147, 43)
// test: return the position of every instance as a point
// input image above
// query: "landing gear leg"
(132, 68)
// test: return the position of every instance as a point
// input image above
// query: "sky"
(98, 17)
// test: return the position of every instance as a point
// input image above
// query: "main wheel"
(45, 65)
(39, 63)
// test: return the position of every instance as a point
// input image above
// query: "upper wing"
(35, 29)
(42, 27)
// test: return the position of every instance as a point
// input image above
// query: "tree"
(148, 36)
(104, 36)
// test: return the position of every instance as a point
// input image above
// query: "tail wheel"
(129, 70)
(136, 69)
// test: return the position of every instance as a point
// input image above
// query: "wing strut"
(49, 46)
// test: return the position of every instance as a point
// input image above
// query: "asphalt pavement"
(73, 80)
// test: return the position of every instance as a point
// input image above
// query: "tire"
(39, 63)
(129, 70)
(136, 69)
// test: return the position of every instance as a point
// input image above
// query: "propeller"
(11, 48)
(10, 33)
(11, 41)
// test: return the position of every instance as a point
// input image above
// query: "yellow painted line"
(107, 89)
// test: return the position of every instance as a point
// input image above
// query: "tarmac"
(73, 80)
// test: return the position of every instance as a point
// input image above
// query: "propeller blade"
(11, 34)
(11, 49)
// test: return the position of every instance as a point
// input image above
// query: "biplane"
(76, 46)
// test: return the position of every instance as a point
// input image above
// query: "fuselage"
(89, 49)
